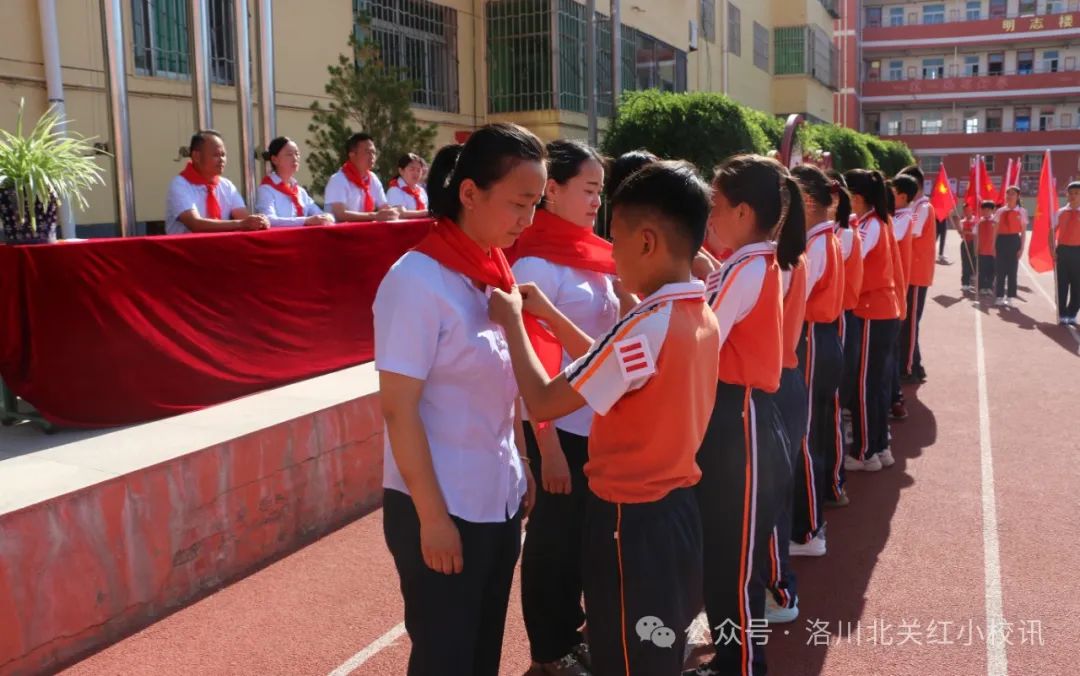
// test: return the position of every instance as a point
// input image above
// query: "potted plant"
(39, 169)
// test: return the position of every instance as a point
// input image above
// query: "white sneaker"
(853, 464)
(849, 428)
(777, 614)
(816, 546)
(886, 457)
(1000, 302)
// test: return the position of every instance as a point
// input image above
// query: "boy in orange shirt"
(984, 243)
(651, 380)
(1066, 250)
(967, 249)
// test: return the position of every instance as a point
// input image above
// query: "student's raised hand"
(504, 308)
(440, 545)
(534, 301)
(704, 265)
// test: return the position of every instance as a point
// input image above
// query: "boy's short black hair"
(1075, 185)
(906, 185)
(915, 172)
(673, 191)
(988, 204)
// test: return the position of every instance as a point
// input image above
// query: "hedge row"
(706, 128)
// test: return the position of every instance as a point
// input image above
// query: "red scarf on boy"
(213, 207)
(447, 244)
(362, 181)
(288, 189)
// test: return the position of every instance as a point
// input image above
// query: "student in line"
(1065, 245)
(985, 243)
(879, 309)
(280, 197)
(1010, 236)
(746, 472)
(904, 190)
(922, 276)
(574, 269)
(967, 250)
(405, 191)
(650, 379)
(201, 199)
(850, 328)
(456, 489)
(354, 193)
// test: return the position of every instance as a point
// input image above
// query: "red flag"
(1046, 207)
(1014, 176)
(941, 196)
(986, 184)
(1008, 175)
(972, 197)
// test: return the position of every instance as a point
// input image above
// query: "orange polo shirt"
(924, 243)
(853, 267)
(1011, 221)
(877, 299)
(825, 300)
(967, 228)
(985, 235)
(794, 285)
(651, 381)
(1068, 226)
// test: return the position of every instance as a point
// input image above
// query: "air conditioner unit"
(693, 35)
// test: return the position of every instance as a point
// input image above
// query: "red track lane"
(903, 578)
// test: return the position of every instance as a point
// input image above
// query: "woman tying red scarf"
(456, 489)
(405, 191)
(572, 267)
(280, 197)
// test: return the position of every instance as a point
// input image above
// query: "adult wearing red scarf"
(456, 489)
(354, 193)
(280, 196)
(572, 267)
(405, 191)
(201, 199)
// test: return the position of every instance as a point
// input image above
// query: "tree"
(365, 95)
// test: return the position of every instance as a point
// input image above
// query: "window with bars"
(420, 38)
(930, 164)
(1032, 161)
(933, 14)
(734, 30)
(708, 20)
(519, 55)
(761, 47)
(973, 10)
(805, 50)
(160, 37)
(990, 162)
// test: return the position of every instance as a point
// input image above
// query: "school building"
(475, 61)
(956, 77)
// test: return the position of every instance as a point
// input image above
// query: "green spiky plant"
(46, 164)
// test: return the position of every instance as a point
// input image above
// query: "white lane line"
(996, 661)
(384, 641)
(1049, 299)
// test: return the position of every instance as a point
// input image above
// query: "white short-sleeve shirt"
(431, 323)
(340, 190)
(396, 197)
(922, 213)
(184, 196)
(587, 299)
(279, 208)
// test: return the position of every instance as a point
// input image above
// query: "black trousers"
(967, 262)
(942, 231)
(822, 361)
(850, 328)
(909, 352)
(455, 622)
(551, 584)
(986, 272)
(643, 576)
(1007, 264)
(870, 417)
(1068, 280)
(793, 402)
(744, 472)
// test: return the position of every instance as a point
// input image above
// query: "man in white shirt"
(201, 199)
(355, 193)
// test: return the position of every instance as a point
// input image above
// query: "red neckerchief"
(561, 242)
(414, 192)
(289, 190)
(360, 181)
(451, 247)
(213, 207)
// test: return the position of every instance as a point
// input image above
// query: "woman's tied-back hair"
(822, 189)
(870, 185)
(766, 186)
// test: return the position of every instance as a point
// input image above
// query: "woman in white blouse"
(405, 189)
(280, 198)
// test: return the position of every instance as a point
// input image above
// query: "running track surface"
(979, 512)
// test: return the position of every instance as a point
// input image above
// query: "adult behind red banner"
(120, 331)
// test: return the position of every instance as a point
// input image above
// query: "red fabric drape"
(119, 331)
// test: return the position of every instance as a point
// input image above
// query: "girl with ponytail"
(879, 309)
(757, 212)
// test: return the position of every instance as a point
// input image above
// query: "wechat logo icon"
(652, 629)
